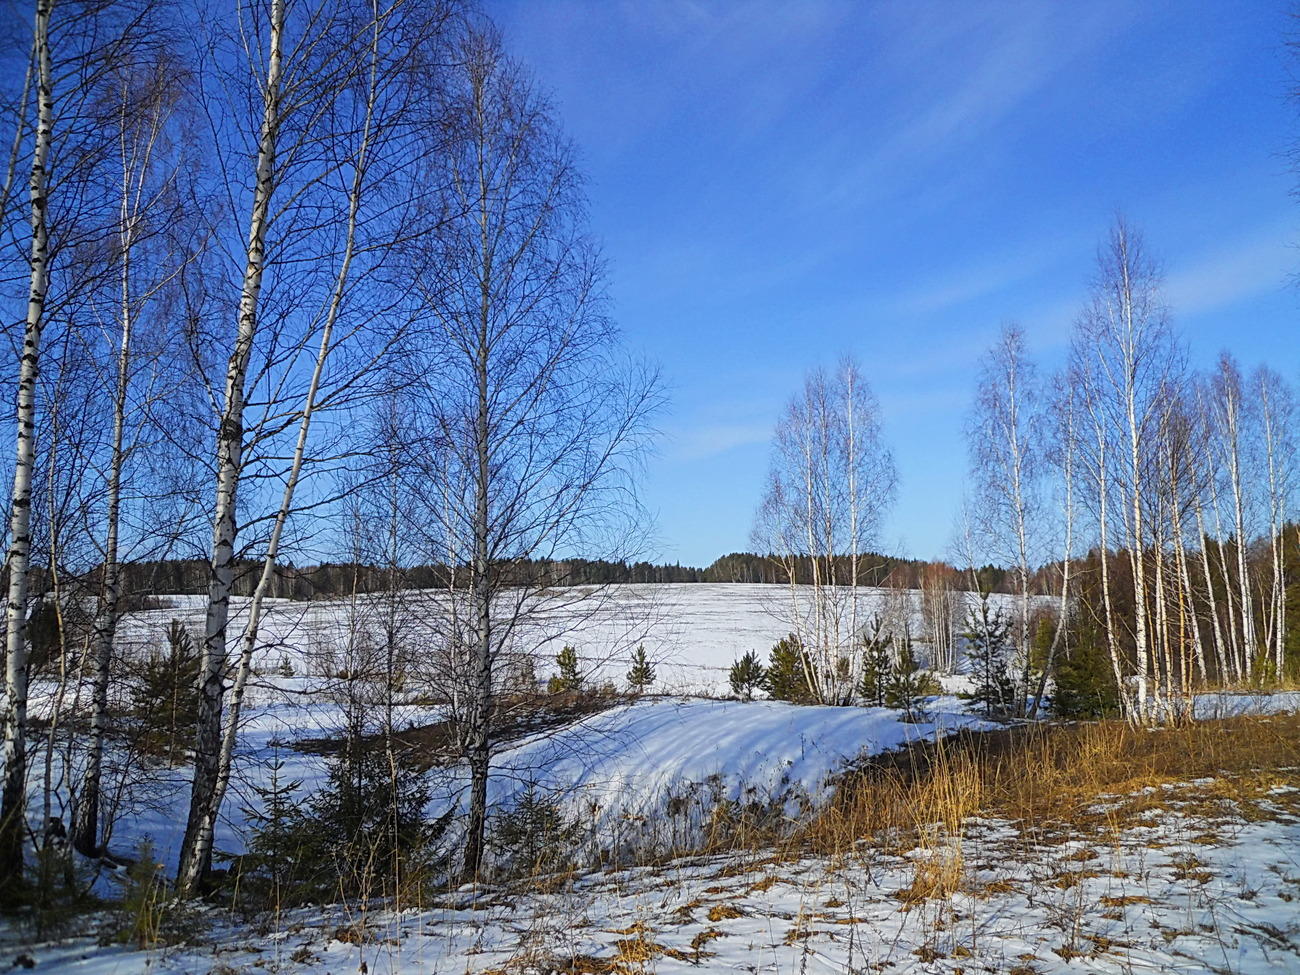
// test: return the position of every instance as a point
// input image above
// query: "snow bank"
(650, 774)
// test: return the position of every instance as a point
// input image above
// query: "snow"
(1226, 704)
(618, 770)
(1187, 891)
(692, 632)
(646, 776)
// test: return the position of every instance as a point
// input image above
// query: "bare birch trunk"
(1220, 649)
(1112, 640)
(13, 800)
(214, 661)
(1232, 417)
(136, 159)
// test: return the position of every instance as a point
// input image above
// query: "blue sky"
(779, 183)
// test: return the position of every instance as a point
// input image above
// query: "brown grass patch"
(639, 950)
(1066, 779)
(723, 912)
(939, 873)
(1071, 879)
(705, 936)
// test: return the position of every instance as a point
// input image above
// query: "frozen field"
(692, 632)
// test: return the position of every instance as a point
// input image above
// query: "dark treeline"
(147, 579)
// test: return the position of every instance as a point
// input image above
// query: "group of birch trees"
(1150, 501)
(831, 482)
(271, 256)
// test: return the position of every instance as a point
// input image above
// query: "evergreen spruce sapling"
(166, 698)
(877, 664)
(535, 836)
(371, 817)
(747, 675)
(786, 676)
(988, 646)
(642, 673)
(279, 833)
(1083, 680)
(908, 684)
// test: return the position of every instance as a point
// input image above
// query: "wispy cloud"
(968, 68)
(981, 278)
(1249, 266)
(713, 439)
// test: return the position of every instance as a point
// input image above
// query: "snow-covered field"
(693, 632)
(621, 768)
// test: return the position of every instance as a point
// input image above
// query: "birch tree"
(1061, 456)
(59, 142)
(831, 481)
(1131, 355)
(145, 97)
(1277, 415)
(1125, 356)
(1006, 468)
(1232, 444)
(17, 564)
(340, 152)
(527, 421)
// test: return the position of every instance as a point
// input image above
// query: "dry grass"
(937, 872)
(1055, 780)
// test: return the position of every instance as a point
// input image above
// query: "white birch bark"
(18, 563)
(214, 659)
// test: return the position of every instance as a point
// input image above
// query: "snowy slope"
(646, 775)
(617, 770)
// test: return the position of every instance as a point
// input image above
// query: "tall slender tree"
(1007, 468)
(344, 136)
(526, 420)
(1125, 356)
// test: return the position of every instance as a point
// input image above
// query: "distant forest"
(333, 579)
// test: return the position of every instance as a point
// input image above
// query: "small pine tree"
(747, 675)
(535, 836)
(786, 677)
(988, 646)
(569, 678)
(642, 672)
(908, 684)
(369, 818)
(165, 699)
(877, 664)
